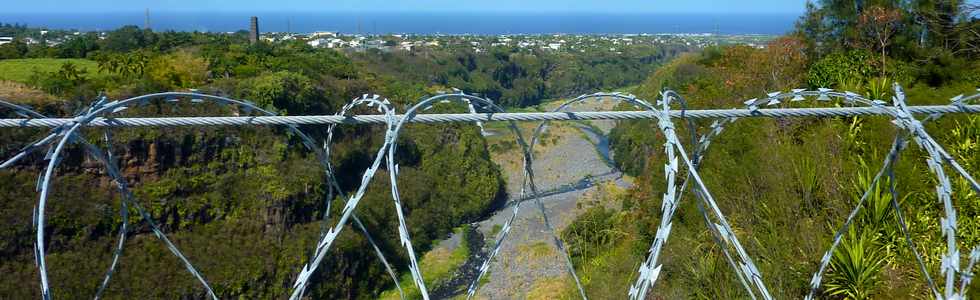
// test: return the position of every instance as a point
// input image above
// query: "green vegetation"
(218, 193)
(437, 266)
(520, 79)
(857, 268)
(551, 289)
(21, 70)
(786, 185)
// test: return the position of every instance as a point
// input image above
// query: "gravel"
(565, 172)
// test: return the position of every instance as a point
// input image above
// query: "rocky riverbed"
(570, 166)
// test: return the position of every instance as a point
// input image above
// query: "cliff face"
(243, 205)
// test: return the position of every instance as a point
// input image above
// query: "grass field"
(20, 70)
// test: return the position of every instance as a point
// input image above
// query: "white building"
(6, 40)
(407, 46)
(336, 43)
(323, 34)
(318, 42)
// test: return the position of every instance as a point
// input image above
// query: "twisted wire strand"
(26, 112)
(487, 117)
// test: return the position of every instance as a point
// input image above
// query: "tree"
(180, 69)
(785, 62)
(14, 50)
(949, 24)
(61, 82)
(127, 65)
(831, 25)
(79, 46)
(879, 24)
(127, 38)
(284, 90)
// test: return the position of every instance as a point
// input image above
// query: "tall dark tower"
(253, 31)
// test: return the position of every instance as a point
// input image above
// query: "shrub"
(60, 82)
(180, 69)
(840, 68)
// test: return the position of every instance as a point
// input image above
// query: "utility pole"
(146, 20)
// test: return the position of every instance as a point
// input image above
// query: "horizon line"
(389, 11)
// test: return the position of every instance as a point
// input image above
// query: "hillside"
(786, 185)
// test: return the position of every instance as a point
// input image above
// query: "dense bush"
(786, 185)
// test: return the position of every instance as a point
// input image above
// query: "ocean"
(420, 23)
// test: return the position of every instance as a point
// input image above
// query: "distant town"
(478, 43)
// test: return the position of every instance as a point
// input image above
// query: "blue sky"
(606, 6)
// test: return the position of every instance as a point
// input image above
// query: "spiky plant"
(856, 267)
(879, 89)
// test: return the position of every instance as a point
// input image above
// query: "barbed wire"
(384, 107)
(474, 285)
(487, 117)
(101, 114)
